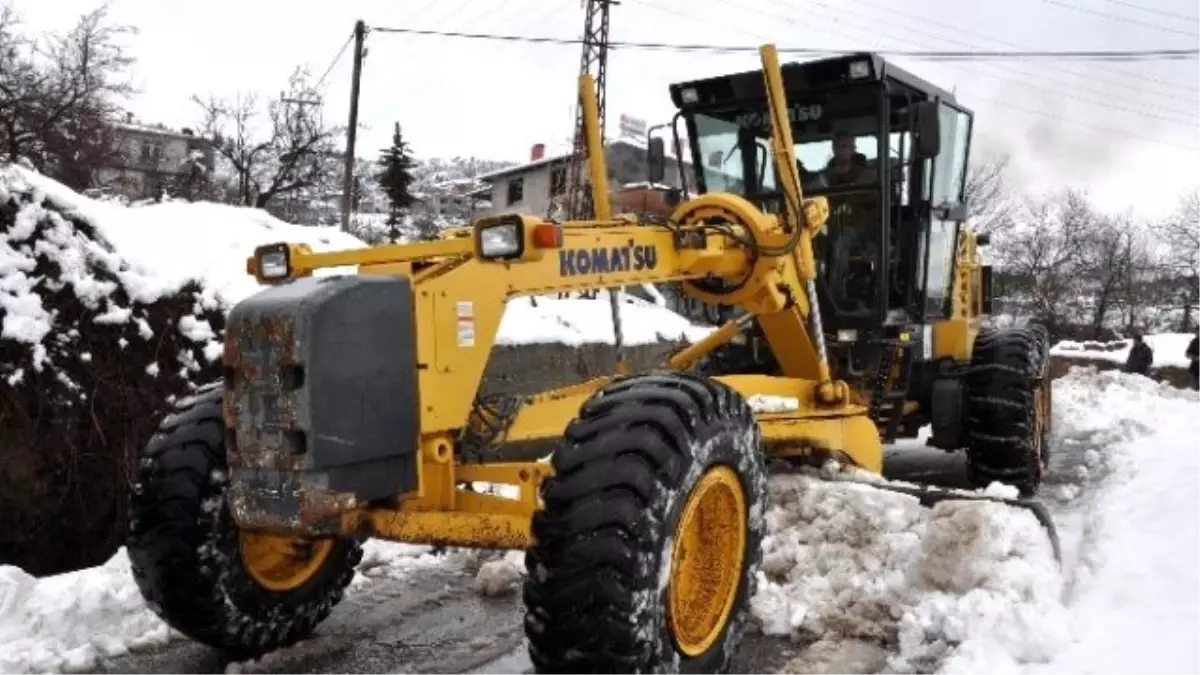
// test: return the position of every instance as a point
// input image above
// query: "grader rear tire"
(1009, 409)
(648, 545)
(237, 591)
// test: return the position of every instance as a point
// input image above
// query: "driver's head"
(843, 146)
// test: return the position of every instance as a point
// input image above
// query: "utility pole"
(360, 35)
(301, 104)
(594, 60)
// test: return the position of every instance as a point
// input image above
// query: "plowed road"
(435, 621)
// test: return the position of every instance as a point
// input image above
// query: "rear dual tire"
(647, 547)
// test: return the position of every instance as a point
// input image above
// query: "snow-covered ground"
(963, 587)
(1170, 349)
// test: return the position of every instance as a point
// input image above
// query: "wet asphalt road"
(435, 621)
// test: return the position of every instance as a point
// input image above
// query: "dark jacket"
(1141, 357)
(1193, 352)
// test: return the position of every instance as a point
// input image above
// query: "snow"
(960, 588)
(173, 243)
(501, 576)
(158, 248)
(972, 587)
(69, 622)
(1136, 605)
(1169, 349)
(578, 321)
(766, 403)
(860, 563)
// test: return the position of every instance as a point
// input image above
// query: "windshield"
(837, 153)
(735, 156)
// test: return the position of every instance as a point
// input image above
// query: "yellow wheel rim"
(280, 562)
(706, 562)
(1040, 414)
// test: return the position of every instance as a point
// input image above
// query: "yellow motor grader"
(349, 406)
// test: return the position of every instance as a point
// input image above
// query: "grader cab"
(350, 406)
(899, 278)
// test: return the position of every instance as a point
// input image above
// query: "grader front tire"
(241, 592)
(1009, 409)
(648, 544)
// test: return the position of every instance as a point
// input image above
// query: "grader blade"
(929, 496)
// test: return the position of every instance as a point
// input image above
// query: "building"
(541, 182)
(153, 157)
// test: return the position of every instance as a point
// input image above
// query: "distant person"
(1141, 356)
(1193, 354)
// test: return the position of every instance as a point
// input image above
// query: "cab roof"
(827, 73)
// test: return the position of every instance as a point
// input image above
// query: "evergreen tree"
(396, 179)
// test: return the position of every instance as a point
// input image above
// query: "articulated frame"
(459, 299)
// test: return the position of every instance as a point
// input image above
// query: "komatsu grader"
(349, 406)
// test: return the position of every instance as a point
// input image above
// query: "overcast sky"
(1128, 132)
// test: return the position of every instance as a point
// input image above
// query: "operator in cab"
(847, 166)
(853, 243)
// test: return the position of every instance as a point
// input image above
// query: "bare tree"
(1106, 261)
(1042, 254)
(989, 201)
(1181, 233)
(282, 148)
(60, 94)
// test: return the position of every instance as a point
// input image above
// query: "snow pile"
(578, 321)
(1169, 349)
(973, 587)
(67, 622)
(859, 563)
(502, 575)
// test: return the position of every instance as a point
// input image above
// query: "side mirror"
(986, 291)
(656, 159)
(927, 130)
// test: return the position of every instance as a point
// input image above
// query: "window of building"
(558, 181)
(516, 190)
(151, 151)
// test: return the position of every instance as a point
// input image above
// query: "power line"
(1134, 5)
(334, 62)
(1143, 80)
(1119, 19)
(1100, 55)
(1029, 81)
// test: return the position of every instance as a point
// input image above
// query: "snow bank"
(71, 621)
(68, 622)
(973, 587)
(1135, 604)
(1169, 349)
(173, 243)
